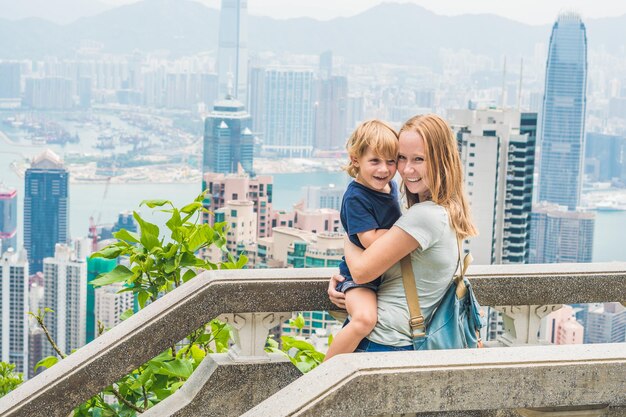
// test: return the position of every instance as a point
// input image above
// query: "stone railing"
(253, 301)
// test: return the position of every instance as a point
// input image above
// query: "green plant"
(156, 266)
(9, 380)
(300, 352)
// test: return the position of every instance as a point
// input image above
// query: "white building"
(498, 154)
(288, 111)
(14, 309)
(110, 305)
(329, 196)
(65, 292)
(241, 236)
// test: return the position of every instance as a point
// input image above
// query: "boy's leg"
(362, 307)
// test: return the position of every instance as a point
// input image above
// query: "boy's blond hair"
(375, 134)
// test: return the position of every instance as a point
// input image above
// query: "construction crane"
(93, 225)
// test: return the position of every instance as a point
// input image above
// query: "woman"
(430, 167)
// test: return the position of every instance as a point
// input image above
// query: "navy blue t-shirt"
(364, 209)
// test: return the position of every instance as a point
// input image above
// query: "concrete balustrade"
(58, 390)
(458, 382)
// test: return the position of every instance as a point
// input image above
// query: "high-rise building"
(498, 153)
(331, 113)
(329, 197)
(563, 121)
(110, 304)
(232, 58)
(95, 267)
(8, 218)
(65, 292)
(288, 111)
(242, 232)
(221, 188)
(46, 208)
(50, 93)
(256, 99)
(13, 309)
(560, 236)
(606, 324)
(10, 73)
(228, 140)
(605, 157)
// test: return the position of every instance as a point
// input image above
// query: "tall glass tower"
(232, 59)
(46, 208)
(564, 104)
(228, 141)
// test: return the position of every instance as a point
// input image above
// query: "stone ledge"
(170, 319)
(456, 380)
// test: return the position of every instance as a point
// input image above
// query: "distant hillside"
(57, 11)
(394, 33)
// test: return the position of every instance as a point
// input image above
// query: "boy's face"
(375, 171)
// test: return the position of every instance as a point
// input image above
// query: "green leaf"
(126, 236)
(191, 208)
(197, 353)
(48, 310)
(180, 368)
(188, 275)
(47, 362)
(171, 251)
(149, 232)
(108, 252)
(155, 203)
(242, 261)
(187, 259)
(119, 274)
(196, 240)
(174, 221)
(298, 322)
(305, 367)
(128, 313)
(142, 297)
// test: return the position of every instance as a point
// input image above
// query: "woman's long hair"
(444, 169)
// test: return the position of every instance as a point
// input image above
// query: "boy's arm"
(368, 237)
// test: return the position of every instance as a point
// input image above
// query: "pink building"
(561, 327)
(310, 220)
(240, 187)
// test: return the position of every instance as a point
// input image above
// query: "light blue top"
(433, 267)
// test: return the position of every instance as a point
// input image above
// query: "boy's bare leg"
(363, 309)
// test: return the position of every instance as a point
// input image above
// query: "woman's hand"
(336, 297)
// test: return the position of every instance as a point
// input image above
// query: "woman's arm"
(366, 265)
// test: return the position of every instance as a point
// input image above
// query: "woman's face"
(412, 164)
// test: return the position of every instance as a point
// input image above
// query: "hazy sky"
(527, 11)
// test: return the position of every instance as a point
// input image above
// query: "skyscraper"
(232, 59)
(65, 283)
(288, 111)
(498, 153)
(13, 309)
(10, 79)
(228, 140)
(563, 121)
(331, 113)
(46, 208)
(8, 218)
(560, 236)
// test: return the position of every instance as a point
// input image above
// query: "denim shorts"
(367, 345)
(348, 284)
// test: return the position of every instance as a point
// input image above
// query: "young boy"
(369, 208)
